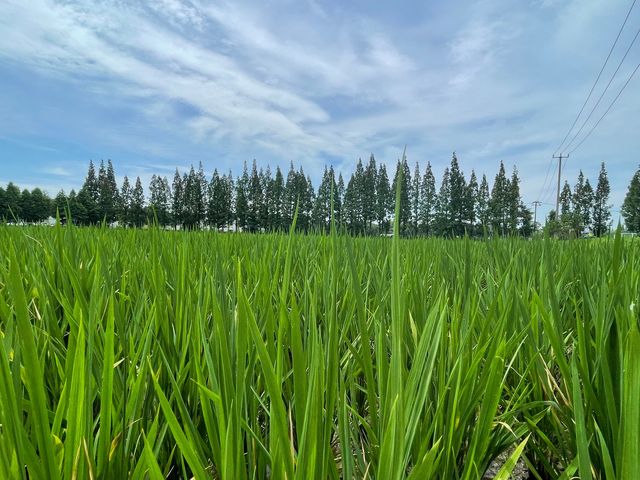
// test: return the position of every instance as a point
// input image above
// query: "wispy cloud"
(58, 171)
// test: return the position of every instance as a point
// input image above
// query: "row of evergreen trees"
(259, 200)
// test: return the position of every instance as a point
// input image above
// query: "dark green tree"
(470, 204)
(302, 195)
(442, 217)
(565, 199)
(308, 199)
(354, 208)
(26, 207)
(107, 192)
(80, 215)
(78, 211)
(154, 194)
(458, 201)
(242, 200)
(177, 204)
(427, 201)
(215, 206)
(631, 205)
(189, 212)
(202, 190)
(351, 215)
(339, 200)
(194, 187)
(514, 204)
(368, 194)
(167, 198)
(89, 196)
(402, 167)
(499, 203)
(322, 206)
(229, 190)
(483, 213)
(358, 203)
(276, 201)
(102, 175)
(40, 205)
(601, 214)
(290, 197)
(254, 200)
(3, 204)
(126, 196)
(415, 200)
(582, 202)
(138, 214)
(160, 200)
(384, 200)
(112, 192)
(59, 206)
(265, 183)
(526, 221)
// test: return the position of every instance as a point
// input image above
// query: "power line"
(548, 196)
(603, 92)
(544, 191)
(545, 179)
(548, 193)
(597, 79)
(607, 110)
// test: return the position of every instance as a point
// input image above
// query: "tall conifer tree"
(427, 201)
(631, 205)
(601, 208)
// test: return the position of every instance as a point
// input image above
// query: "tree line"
(261, 200)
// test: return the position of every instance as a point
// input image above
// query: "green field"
(159, 354)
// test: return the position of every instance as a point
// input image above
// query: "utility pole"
(560, 157)
(535, 213)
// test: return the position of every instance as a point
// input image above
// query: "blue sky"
(163, 84)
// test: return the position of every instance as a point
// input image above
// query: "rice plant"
(155, 354)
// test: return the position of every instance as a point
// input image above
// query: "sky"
(160, 85)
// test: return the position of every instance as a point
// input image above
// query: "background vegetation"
(261, 201)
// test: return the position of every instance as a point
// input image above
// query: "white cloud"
(305, 81)
(58, 171)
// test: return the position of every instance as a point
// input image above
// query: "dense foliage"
(153, 354)
(260, 200)
(631, 205)
(584, 209)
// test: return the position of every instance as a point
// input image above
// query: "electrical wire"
(548, 194)
(607, 110)
(546, 177)
(597, 79)
(603, 92)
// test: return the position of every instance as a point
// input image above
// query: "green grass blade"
(34, 381)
